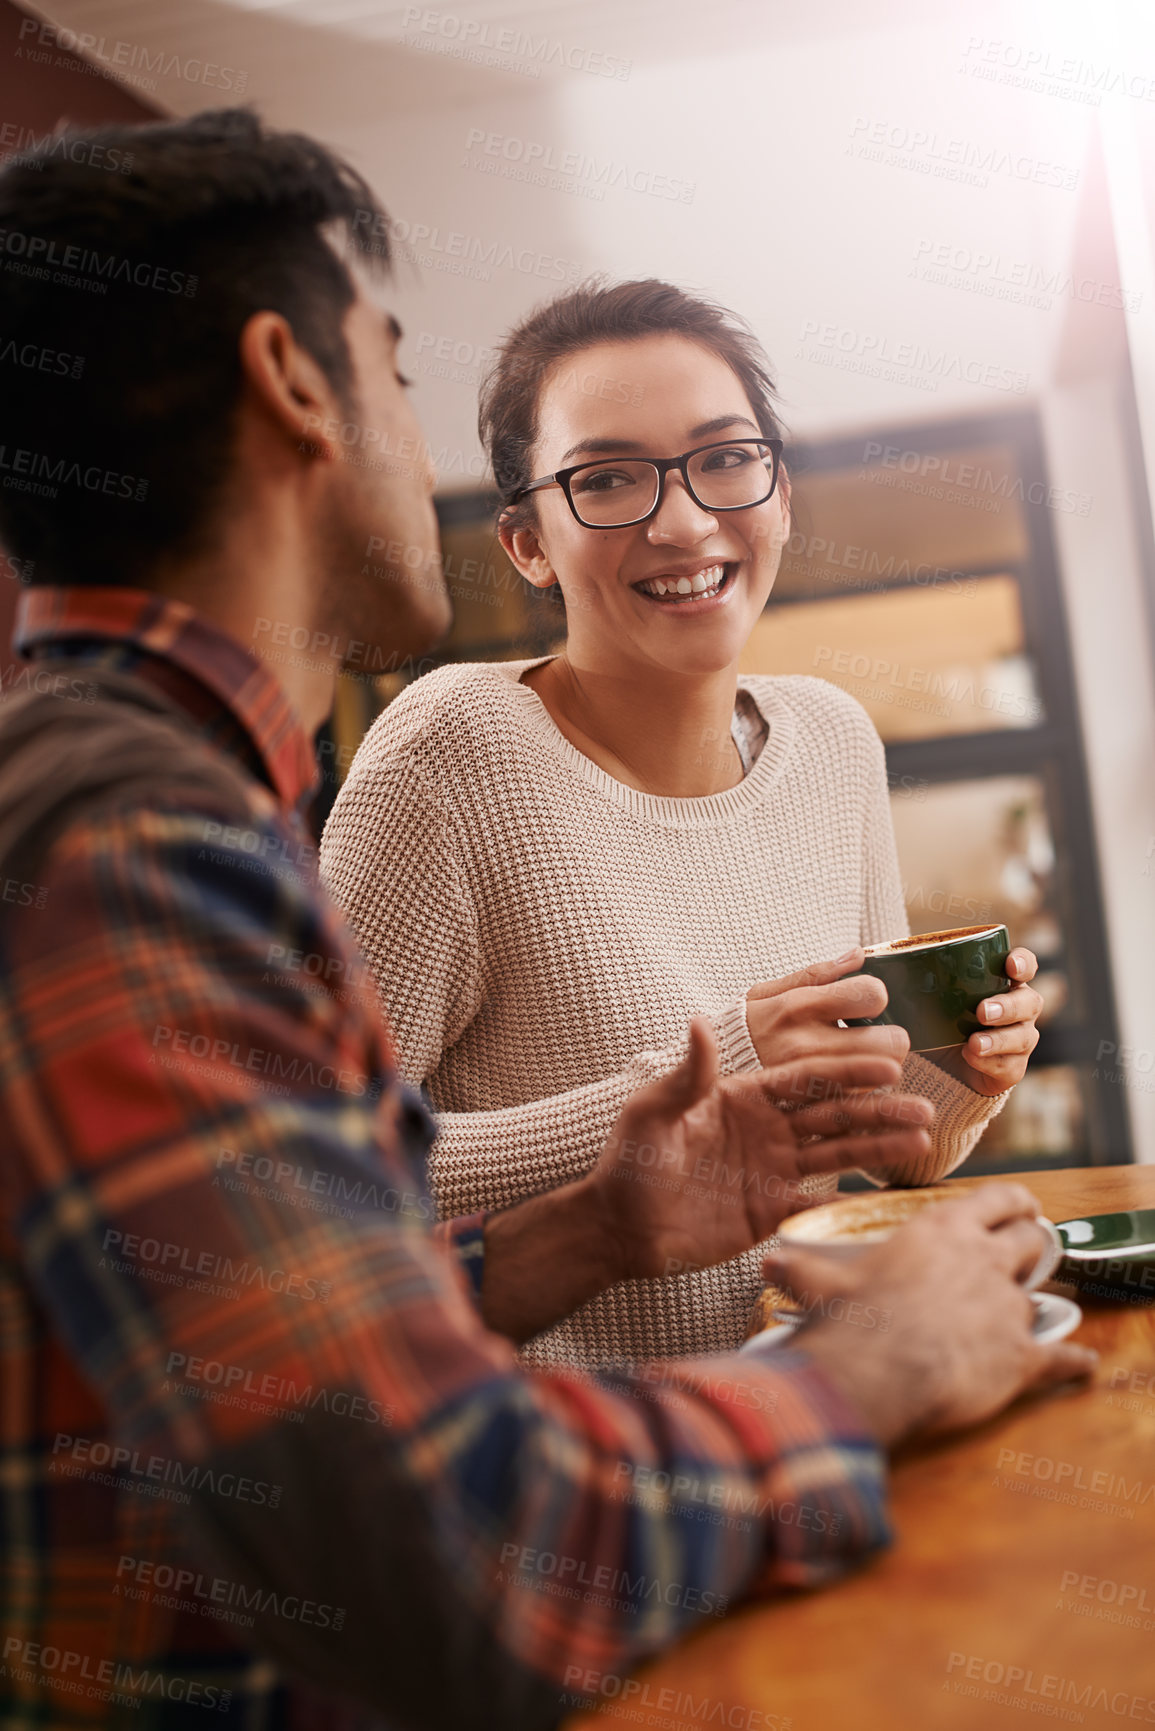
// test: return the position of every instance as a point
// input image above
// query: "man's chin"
(422, 626)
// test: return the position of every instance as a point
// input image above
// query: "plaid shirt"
(261, 1465)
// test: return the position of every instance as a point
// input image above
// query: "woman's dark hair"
(130, 259)
(593, 313)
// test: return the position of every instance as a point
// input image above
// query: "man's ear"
(289, 385)
(524, 550)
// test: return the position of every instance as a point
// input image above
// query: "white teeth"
(706, 582)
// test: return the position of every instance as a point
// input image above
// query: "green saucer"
(1111, 1255)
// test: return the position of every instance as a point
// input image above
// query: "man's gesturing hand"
(700, 1167)
(958, 1345)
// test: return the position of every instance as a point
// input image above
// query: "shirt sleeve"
(961, 1114)
(216, 1168)
(408, 903)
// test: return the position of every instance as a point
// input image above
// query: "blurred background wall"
(940, 224)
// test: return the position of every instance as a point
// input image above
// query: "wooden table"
(999, 1605)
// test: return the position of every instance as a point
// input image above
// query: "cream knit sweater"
(541, 935)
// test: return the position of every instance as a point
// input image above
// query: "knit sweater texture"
(541, 934)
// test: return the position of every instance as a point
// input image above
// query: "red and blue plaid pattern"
(260, 1464)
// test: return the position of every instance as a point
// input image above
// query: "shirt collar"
(157, 631)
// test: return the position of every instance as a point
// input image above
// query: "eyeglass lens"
(728, 477)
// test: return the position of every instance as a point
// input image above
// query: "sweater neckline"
(710, 808)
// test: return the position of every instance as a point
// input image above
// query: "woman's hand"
(994, 1059)
(795, 1020)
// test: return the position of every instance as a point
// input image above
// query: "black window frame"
(1052, 750)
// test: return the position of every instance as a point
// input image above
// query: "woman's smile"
(689, 589)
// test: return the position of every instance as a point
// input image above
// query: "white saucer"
(1055, 1318)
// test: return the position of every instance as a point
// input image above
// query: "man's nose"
(679, 519)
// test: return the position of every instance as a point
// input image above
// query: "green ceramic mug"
(936, 981)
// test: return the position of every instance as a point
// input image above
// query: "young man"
(265, 1449)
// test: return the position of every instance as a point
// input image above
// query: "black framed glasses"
(614, 492)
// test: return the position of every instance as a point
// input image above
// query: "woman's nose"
(679, 519)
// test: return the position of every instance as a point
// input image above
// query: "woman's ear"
(524, 550)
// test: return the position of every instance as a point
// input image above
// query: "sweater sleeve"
(961, 1114)
(392, 860)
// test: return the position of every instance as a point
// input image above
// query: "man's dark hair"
(130, 260)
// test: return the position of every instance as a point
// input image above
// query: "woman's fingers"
(817, 974)
(871, 1111)
(816, 1043)
(866, 1149)
(1020, 1004)
(825, 1077)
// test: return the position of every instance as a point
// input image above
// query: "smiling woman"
(552, 865)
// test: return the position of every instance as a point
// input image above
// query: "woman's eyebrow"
(598, 447)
